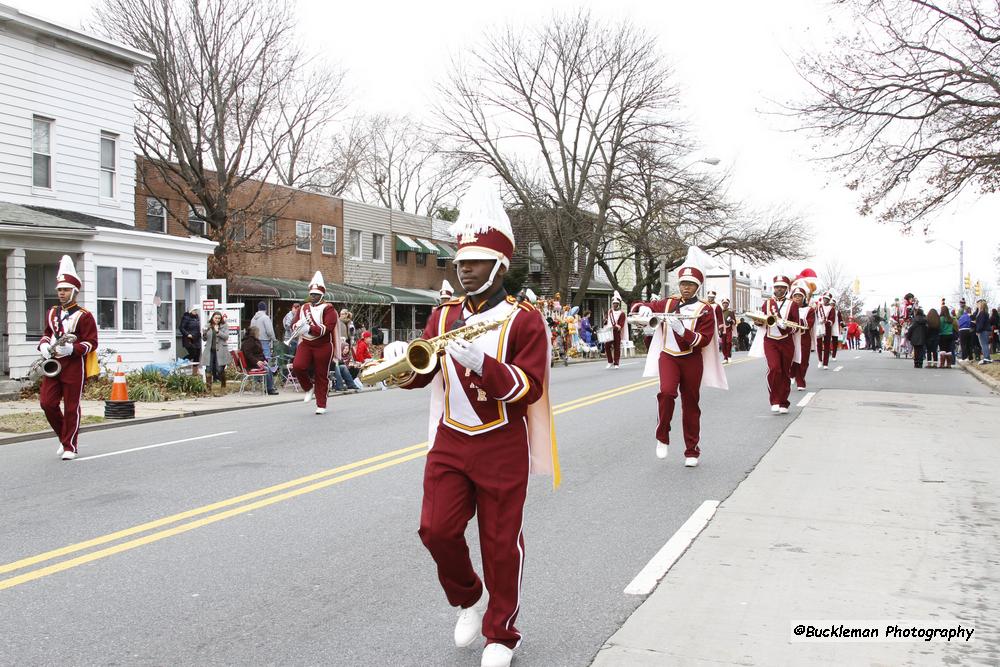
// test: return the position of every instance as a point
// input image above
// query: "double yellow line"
(233, 506)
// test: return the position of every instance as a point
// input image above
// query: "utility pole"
(961, 268)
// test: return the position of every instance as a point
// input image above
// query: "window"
(402, 257)
(329, 240)
(355, 247)
(163, 300)
(40, 288)
(421, 259)
(536, 257)
(109, 165)
(442, 261)
(268, 230)
(574, 253)
(131, 299)
(196, 220)
(378, 250)
(303, 235)
(156, 215)
(41, 152)
(107, 297)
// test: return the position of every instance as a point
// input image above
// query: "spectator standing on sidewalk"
(286, 326)
(916, 333)
(253, 354)
(983, 330)
(946, 338)
(190, 328)
(933, 335)
(262, 321)
(743, 335)
(965, 333)
(216, 352)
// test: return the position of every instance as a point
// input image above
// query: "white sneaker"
(469, 626)
(309, 395)
(68, 455)
(496, 655)
(775, 408)
(321, 411)
(617, 366)
(661, 450)
(801, 388)
(691, 462)
(782, 411)
(607, 367)
(793, 383)
(60, 450)
(825, 367)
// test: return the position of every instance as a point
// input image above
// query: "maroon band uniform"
(807, 317)
(68, 385)
(613, 349)
(316, 349)
(829, 319)
(779, 350)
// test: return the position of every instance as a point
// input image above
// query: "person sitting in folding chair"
(254, 360)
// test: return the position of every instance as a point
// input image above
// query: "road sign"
(208, 305)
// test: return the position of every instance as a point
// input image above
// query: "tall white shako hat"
(67, 276)
(616, 297)
(483, 229)
(780, 280)
(446, 290)
(316, 285)
(800, 286)
(690, 271)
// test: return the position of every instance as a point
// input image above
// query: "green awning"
(445, 250)
(406, 295)
(298, 290)
(406, 244)
(428, 246)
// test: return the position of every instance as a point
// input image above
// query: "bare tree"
(834, 279)
(402, 165)
(912, 103)
(221, 107)
(551, 111)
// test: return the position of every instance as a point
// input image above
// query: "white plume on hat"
(530, 295)
(446, 288)
(698, 258)
(316, 285)
(480, 211)
(66, 276)
(616, 297)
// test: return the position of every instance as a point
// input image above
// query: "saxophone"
(50, 367)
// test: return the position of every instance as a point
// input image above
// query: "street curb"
(982, 377)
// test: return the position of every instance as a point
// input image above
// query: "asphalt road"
(283, 538)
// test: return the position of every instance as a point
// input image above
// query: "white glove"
(394, 351)
(645, 311)
(46, 350)
(676, 325)
(64, 350)
(466, 354)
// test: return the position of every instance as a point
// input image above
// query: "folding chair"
(248, 375)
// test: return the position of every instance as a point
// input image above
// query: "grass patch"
(29, 422)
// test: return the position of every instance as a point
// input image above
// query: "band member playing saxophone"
(68, 318)
(489, 407)
(319, 343)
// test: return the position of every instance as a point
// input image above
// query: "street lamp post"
(961, 262)
(710, 161)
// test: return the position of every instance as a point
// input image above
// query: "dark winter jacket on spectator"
(189, 326)
(917, 333)
(982, 321)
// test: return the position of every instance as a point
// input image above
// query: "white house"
(67, 181)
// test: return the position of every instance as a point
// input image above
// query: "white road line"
(805, 399)
(857, 357)
(162, 444)
(646, 580)
(837, 369)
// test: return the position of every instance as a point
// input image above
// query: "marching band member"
(446, 292)
(616, 321)
(319, 343)
(726, 331)
(685, 355)
(67, 318)
(489, 408)
(803, 339)
(778, 345)
(829, 319)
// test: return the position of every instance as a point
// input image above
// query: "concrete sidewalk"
(871, 506)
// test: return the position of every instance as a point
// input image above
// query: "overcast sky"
(731, 59)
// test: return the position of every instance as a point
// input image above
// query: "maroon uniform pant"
(68, 388)
(614, 348)
(680, 375)
(799, 369)
(727, 344)
(485, 476)
(779, 355)
(312, 367)
(826, 344)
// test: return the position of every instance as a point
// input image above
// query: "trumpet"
(297, 332)
(50, 367)
(646, 321)
(421, 355)
(771, 320)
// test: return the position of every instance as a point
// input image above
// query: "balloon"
(574, 310)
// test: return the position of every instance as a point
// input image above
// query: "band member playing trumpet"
(829, 319)
(489, 408)
(726, 331)
(62, 320)
(316, 330)
(778, 344)
(685, 354)
(804, 339)
(615, 321)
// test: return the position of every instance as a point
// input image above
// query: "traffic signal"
(979, 289)
(968, 280)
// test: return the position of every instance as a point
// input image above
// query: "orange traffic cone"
(119, 390)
